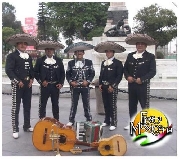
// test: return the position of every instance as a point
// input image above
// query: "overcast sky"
(30, 8)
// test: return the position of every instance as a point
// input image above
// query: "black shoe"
(101, 113)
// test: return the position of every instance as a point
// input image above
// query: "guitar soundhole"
(62, 139)
(107, 147)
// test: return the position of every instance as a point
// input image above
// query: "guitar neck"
(90, 149)
(93, 144)
(82, 143)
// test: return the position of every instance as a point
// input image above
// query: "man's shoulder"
(131, 53)
(71, 61)
(14, 53)
(58, 58)
(149, 54)
(40, 58)
(88, 60)
(117, 60)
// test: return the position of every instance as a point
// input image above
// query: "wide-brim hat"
(49, 44)
(132, 39)
(78, 46)
(109, 45)
(30, 39)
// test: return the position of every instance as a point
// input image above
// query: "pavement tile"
(23, 146)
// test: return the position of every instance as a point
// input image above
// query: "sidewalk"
(23, 146)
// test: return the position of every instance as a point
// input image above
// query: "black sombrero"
(31, 40)
(78, 46)
(109, 45)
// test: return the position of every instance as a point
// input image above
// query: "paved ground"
(24, 146)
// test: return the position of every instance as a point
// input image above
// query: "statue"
(119, 30)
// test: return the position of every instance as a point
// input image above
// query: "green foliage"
(159, 55)
(9, 26)
(159, 23)
(75, 20)
(9, 18)
(7, 32)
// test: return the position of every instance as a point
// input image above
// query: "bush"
(159, 55)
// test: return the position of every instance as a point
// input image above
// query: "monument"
(164, 84)
(165, 81)
(117, 12)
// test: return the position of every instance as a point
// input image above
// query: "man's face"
(141, 47)
(49, 52)
(22, 46)
(79, 54)
(109, 53)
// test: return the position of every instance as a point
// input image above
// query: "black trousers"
(85, 93)
(110, 105)
(45, 92)
(25, 94)
(138, 92)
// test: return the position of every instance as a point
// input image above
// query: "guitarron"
(48, 132)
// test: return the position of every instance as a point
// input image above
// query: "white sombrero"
(78, 46)
(30, 39)
(49, 44)
(134, 38)
(109, 45)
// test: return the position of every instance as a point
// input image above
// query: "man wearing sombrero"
(139, 68)
(50, 74)
(19, 69)
(79, 74)
(110, 76)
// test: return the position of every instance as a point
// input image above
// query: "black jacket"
(41, 71)
(143, 68)
(15, 67)
(112, 73)
(72, 71)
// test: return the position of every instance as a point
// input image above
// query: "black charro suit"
(54, 74)
(78, 74)
(145, 69)
(110, 75)
(19, 69)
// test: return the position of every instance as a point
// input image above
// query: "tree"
(9, 18)
(159, 23)
(47, 30)
(9, 26)
(76, 20)
(41, 22)
(6, 32)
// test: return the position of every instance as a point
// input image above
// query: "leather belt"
(27, 78)
(105, 83)
(52, 82)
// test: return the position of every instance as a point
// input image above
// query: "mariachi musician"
(110, 76)
(19, 69)
(139, 68)
(79, 74)
(50, 74)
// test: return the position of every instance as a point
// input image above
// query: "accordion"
(89, 131)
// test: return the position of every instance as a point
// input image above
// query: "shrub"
(159, 55)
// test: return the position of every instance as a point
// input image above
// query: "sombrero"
(49, 44)
(78, 46)
(109, 45)
(31, 40)
(134, 38)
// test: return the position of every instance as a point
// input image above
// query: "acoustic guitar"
(115, 145)
(48, 132)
